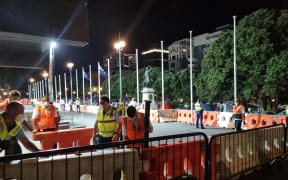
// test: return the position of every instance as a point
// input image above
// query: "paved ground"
(160, 129)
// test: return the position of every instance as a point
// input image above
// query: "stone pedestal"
(148, 94)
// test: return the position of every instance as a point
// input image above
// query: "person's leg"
(102, 139)
(201, 120)
(197, 118)
(237, 125)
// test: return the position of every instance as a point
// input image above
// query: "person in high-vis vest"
(238, 110)
(199, 114)
(14, 95)
(133, 125)
(11, 130)
(121, 108)
(45, 117)
(107, 127)
(77, 102)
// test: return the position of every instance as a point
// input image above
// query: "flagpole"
(77, 82)
(40, 87)
(65, 90)
(137, 77)
(90, 84)
(235, 65)
(99, 93)
(60, 98)
(37, 90)
(56, 92)
(83, 81)
(191, 76)
(109, 79)
(162, 67)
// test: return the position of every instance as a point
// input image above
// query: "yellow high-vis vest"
(107, 124)
(5, 134)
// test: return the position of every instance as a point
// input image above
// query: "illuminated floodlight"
(53, 44)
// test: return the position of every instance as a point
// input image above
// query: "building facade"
(152, 57)
(179, 51)
(128, 62)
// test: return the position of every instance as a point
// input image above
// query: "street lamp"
(119, 46)
(70, 66)
(45, 75)
(51, 63)
(30, 88)
(31, 80)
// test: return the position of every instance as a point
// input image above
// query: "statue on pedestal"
(147, 78)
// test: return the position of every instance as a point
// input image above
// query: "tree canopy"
(262, 41)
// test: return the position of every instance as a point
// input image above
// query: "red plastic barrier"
(74, 107)
(281, 119)
(265, 120)
(253, 120)
(65, 138)
(154, 116)
(215, 167)
(210, 118)
(173, 160)
(189, 116)
(83, 108)
(181, 116)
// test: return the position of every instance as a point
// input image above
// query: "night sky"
(143, 23)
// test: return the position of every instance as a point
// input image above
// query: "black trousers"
(238, 125)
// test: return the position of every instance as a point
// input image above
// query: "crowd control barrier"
(64, 138)
(166, 157)
(225, 120)
(168, 115)
(170, 159)
(226, 156)
(235, 153)
(210, 118)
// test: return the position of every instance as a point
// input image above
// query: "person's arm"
(26, 142)
(117, 133)
(95, 131)
(124, 130)
(34, 118)
(56, 118)
(25, 123)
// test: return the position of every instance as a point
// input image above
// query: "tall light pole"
(51, 64)
(60, 91)
(137, 78)
(109, 91)
(191, 76)
(70, 66)
(45, 75)
(235, 65)
(162, 67)
(65, 90)
(119, 46)
(77, 84)
(32, 80)
(90, 82)
(56, 91)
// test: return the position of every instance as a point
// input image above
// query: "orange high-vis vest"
(44, 120)
(136, 133)
(4, 104)
(238, 109)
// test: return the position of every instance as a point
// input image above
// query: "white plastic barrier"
(93, 109)
(225, 120)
